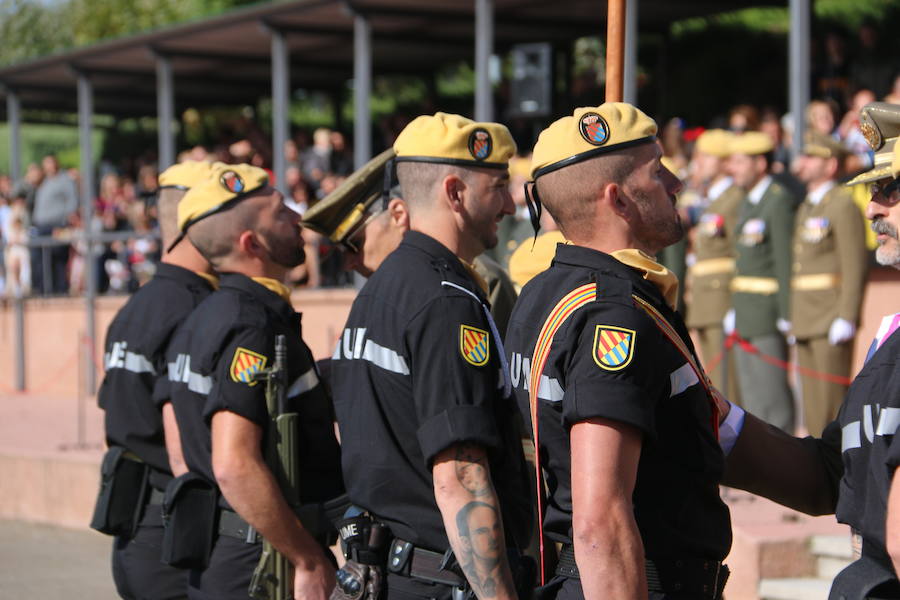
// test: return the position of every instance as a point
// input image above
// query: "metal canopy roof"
(225, 60)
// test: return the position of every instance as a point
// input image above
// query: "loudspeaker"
(531, 89)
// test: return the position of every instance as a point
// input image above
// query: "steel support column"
(362, 90)
(281, 82)
(14, 121)
(165, 112)
(798, 78)
(631, 51)
(86, 168)
(484, 48)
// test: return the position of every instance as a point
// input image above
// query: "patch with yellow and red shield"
(613, 347)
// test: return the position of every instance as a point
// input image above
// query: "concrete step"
(794, 588)
(827, 567)
(834, 546)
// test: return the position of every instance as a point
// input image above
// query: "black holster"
(364, 543)
(190, 510)
(124, 488)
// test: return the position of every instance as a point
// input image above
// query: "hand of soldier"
(841, 331)
(728, 322)
(315, 579)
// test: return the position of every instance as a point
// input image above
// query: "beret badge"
(593, 129)
(232, 182)
(480, 144)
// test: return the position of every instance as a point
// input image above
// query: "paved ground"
(40, 561)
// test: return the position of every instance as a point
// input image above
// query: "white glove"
(841, 331)
(728, 322)
(784, 326)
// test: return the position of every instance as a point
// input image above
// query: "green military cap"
(456, 140)
(823, 146)
(341, 213)
(751, 143)
(589, 132)
(880, 124)
(715, 142)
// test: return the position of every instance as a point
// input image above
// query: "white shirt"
(815, 196)
(718, 188)
(759, 189)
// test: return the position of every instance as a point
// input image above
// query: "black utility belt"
(406, 559)
(125, 493)
(690, 576)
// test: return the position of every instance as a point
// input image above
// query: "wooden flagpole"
(615, 50)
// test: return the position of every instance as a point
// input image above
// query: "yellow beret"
(751, 143)
(589, 132)
(715, 142)
(455, 140)
(339, 214)
(823, 146)
(222, 189)
(187, 174)
(531, 259)
(880, 124)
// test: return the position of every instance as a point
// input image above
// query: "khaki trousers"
(764, 387)
(712, 340)
(822, 399)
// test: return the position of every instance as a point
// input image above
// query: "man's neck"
(186, 256)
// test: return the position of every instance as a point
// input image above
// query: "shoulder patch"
(474, 345)
(246, 364)
(613, 347)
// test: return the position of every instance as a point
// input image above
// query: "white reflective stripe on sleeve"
(682, 378)
(550, 389)
(385, 358)
(888, 421)
(850, 436)
(199, 383)
(303, 384)
(138, 364)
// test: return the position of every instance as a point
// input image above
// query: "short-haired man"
(851, 470)
(828, 279)
(242, 226)
(623, 417)
(762, 279)
(134, 394)
(421, 392)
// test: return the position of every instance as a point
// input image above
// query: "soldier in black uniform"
(135, 387)
(851, 469)
(420, 384)
(627, 425)
(242, 226)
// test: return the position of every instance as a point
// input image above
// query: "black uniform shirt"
(135, 381)
(646, 383)
(212, 359)
(416, 371)
(865, 431)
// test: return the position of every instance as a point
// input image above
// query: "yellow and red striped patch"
(474, 344)
(613, 347)
(245, 365)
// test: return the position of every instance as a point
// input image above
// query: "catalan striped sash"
(564, 309)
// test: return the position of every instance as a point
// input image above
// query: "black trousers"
(228, 575)
(138, 572)
(569, 588)
(407, 588)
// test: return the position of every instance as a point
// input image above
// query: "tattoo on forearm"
(471, 470)
(481, 547)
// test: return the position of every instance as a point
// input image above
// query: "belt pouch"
(189, 514)
(124, 483)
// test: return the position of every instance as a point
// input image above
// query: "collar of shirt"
(756, 194)
(184, 276)
(439, 253)
(718, 188)
(665, 280)
(580, 256)
(271, 299)
(815, 197)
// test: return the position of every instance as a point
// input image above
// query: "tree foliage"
(33, 28)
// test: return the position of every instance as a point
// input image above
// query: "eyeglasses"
(356, 240)
(885, 191)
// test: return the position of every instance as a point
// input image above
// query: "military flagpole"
(615, 50)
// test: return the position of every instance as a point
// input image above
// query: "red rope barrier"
(746, 346)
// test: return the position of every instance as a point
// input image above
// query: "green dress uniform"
(829, 275)
(761, 296)
(709, 279)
